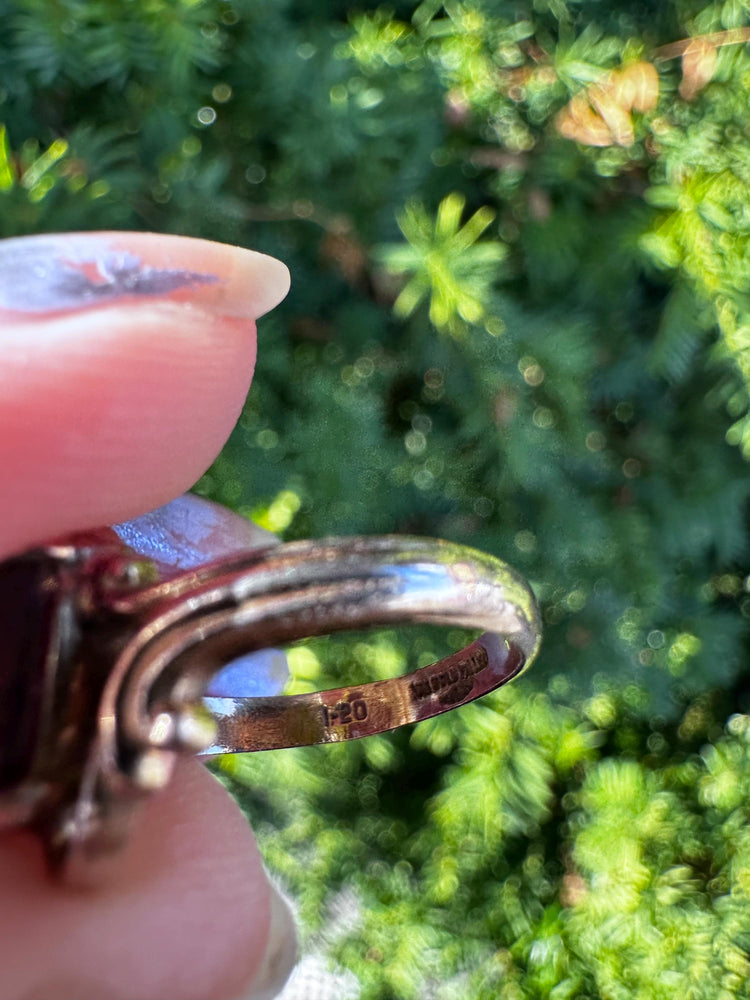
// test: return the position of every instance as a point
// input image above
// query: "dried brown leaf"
(638, 86)
(601, 115)
(698, 67)
(615, 115)
(579, 122)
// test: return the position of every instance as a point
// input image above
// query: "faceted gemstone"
(191, 531)
(28, 603)
(254, 675)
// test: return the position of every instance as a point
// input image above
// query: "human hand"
(124, 363)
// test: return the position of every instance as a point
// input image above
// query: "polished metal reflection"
(132, 653)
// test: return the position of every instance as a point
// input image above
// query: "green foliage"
(445, 263)
(518, 234)
(467, 887)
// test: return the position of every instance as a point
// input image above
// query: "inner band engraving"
(345, 712)
(334, 716)
(453, 684)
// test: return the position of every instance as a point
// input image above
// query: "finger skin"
(185, 916)
(102, 426)
(106, 411)
(116, 408)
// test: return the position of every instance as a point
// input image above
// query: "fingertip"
(125, 359)
(113, 416)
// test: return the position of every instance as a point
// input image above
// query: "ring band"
(274, 723)
(121, 661)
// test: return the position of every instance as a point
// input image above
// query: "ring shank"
(194, 625)
(252, 724)
(123, 655)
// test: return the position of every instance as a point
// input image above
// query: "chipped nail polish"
(40, 275)
(43, 276)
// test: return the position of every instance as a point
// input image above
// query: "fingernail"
(59, 273)
(281, 952)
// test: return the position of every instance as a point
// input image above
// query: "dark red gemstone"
(28, 604)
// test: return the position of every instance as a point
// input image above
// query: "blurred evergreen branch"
(554, 195)
(445, 263)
